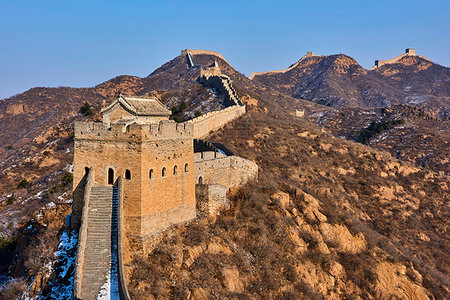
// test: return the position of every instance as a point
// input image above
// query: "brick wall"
(139, 149)
(227, 171)
(214, 120)
(211, 199)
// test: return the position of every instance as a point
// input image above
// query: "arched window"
(163, 172)
(127, 174)
(110, 176)
(150, 174)
(175, 170)
(200, 180)
(186, 168)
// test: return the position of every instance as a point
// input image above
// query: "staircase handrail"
(123, 289)
(83, 234)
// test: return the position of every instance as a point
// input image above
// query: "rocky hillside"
(328, 218)
(413, 89)
(338, 80)
(422, 139)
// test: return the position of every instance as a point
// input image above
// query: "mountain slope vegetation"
(327, 218)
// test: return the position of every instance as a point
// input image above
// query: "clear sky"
(83, 43)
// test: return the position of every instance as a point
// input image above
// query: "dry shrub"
(13, 289)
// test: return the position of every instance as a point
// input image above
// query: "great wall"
(137, 173)
(378, 63)
(307, 55)
(408, 52)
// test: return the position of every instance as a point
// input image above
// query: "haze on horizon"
(53, 43)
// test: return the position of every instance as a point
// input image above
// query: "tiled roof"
(140, 106)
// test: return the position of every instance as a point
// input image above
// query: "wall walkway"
(99, 266)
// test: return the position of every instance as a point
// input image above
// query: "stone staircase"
(223, 85)
(190, 61)
(232, 95)
(101, 230)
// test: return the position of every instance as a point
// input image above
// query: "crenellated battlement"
(164, 130)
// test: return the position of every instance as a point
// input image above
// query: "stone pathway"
(102, 218)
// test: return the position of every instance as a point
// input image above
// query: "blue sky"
(83, 43)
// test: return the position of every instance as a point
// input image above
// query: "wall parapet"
(408, 52)
(203, 52)
(164, 130)
(229, 171)
(206, 155)
(214, 120)
(123, 289)
(222, 83)
(82, 236)
(308, 55)
(211, 199)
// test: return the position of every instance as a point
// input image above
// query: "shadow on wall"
(77, 204)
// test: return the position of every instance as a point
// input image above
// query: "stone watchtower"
(153, 155)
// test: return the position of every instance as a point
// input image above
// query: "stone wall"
(123, 256)
(164, 130)
(212, 70)
(203, 52)
(211, 199)
(214, 120)
(298, 113)
(408, 52)
(227, 171)
(82, 236)
(207, 155)
(308, 54)
(223, 85)
(78, 193)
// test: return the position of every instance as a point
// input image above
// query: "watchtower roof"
(139, 106)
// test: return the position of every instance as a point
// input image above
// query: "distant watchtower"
(154, 156)
(410, 51)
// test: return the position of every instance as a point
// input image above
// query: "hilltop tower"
(408, 52)
(153, 155)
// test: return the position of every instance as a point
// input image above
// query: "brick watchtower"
(154, 156)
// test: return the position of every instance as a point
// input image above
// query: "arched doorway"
(200, 180)
(110, 176)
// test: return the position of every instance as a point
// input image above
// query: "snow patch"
(64, 267)
(50, 205)
(105, 289)
(62, 196)
(415, 99)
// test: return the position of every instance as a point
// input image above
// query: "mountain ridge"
(338, 80)
(327, 217)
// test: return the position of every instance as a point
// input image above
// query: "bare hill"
(26, 115)
(338, 80)
(327, 218)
